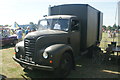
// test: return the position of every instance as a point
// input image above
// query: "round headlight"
(16, 49)
(45, 55)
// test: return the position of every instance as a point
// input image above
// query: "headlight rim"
(16, 49)
(45, 55)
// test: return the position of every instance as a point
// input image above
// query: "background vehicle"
(69, 31)
(6, 38)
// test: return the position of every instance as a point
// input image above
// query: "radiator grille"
(29, 49)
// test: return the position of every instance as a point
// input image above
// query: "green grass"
(106, 40)
(9, 67)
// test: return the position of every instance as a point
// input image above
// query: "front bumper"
(36, 66)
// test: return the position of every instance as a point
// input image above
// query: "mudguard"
(55, 52)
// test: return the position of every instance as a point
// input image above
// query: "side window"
(75, 25)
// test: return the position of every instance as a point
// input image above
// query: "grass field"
(12, 69)
(106, 40)
(9, 67)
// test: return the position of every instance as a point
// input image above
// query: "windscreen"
(54, 24)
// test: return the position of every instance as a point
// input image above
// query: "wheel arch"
(57, 50)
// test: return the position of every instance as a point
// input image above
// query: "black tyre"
(65, 66)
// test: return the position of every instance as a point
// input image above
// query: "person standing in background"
(27, 30)
(19, 34)
(108, 33)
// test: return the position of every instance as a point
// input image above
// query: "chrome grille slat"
(29, 48)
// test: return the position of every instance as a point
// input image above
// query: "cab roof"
(60, 16)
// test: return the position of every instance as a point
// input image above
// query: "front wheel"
(65, 65)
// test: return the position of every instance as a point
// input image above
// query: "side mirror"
(75, 27)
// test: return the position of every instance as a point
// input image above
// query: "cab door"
(75, 36)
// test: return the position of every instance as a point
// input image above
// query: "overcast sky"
(25, 11)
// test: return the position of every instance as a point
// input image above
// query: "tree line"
(114, 27)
